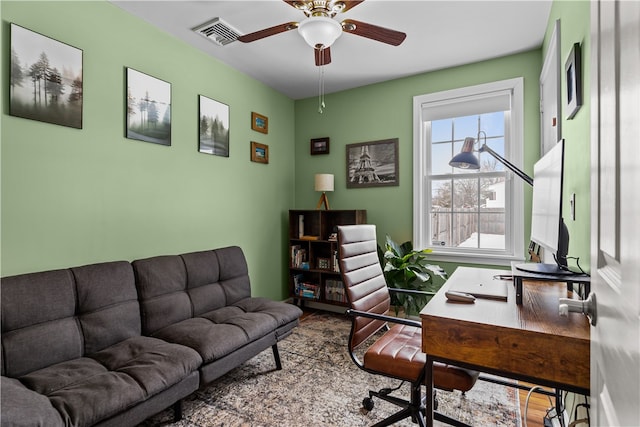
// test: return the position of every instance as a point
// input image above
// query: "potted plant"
(409, 269)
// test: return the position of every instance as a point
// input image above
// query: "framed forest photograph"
(214, 127)
(373, 164)
(45, 79)
(148, 108)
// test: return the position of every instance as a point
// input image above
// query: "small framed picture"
(259, 123)
(259, 152)
(573, 71)
(148, 108)
(319, 146)
(323, 263)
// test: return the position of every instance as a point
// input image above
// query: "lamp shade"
(324, 182)
(465, 159)
(319, 30)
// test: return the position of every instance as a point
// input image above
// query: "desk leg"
(428, 381)
(517, 281)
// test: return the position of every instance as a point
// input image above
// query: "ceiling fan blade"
(302, 4)
(251, 37)
(373, 32)
(323, 56)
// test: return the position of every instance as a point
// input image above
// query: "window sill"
(482, 259)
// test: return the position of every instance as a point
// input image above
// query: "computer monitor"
(547, 226)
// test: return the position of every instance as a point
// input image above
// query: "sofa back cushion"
(69, 313)
(108, 308)
(179, 287)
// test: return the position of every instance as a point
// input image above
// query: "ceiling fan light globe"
(319, 30)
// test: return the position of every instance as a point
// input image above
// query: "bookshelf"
(314, 274)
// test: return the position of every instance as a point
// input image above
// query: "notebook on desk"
(494, 289)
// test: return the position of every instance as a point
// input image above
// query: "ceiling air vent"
(218, 32)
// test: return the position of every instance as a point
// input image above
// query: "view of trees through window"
(468, 206)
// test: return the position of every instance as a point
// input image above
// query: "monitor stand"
(539, 268)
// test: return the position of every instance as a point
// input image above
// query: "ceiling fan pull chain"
(321, 104)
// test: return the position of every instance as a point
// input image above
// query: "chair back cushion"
(363, 279)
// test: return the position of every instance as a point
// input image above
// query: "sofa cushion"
(108, 308)
(89, 389)
(29, 325)
(24, 407)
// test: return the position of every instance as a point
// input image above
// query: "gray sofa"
(111, 344)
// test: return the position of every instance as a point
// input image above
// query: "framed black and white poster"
(148, 108)
(573, 70)
(45, 79)
(213, 127)
(373, 164)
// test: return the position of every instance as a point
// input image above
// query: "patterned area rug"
(319, 385)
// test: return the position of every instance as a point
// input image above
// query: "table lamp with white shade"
(324, 183)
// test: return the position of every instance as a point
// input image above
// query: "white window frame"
(514, 143)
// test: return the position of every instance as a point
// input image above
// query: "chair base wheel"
(367, 403)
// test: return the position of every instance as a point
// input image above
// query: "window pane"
(441, 154)
(465, 193)
(441, 130)
(441, 193)
(492, 213)
(492, 232)
(487, 161)
(492, 123)
(465, 126)
(440, 226)
(465, 232)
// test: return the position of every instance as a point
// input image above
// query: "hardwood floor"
(538, 406)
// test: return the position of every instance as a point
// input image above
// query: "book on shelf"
(336, 266)
(305, 237)
(308, 290)
(334, 291)
(298, 256)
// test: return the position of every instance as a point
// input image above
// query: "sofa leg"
(177, 411)
(276, 356)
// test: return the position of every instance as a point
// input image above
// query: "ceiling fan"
(320, 30)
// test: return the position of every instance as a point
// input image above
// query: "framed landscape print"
(148, 108)
(213, 127)
(45, 79)
(373, 164)
(259, 123)
(259, 152)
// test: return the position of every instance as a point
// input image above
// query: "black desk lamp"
(467, 160)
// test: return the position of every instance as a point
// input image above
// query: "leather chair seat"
(398, 353)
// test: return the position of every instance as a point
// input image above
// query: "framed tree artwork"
(213, 127)
(45, 79)
(148, 108)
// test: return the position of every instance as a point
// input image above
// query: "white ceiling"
(440, 34)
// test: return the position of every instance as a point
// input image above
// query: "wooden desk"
(529, 342)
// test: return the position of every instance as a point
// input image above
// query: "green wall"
(73, 197)
(384, 111)
(575, 28)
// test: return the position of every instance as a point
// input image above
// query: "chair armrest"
(384, 317)
(410, 291)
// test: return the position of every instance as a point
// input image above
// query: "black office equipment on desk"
(519, 276)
